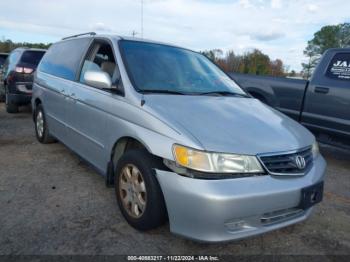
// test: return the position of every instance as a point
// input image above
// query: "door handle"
(321, 90)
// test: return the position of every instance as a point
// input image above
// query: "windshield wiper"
(150, 91)
(223, 93)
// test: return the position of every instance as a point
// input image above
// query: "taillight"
(27, 70)
(24, 70)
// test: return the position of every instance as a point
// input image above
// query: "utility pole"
(141, 18)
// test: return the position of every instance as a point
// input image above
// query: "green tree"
(213, 55)
(330, 36)
(252, 62)
(7, 45)
(256, 63)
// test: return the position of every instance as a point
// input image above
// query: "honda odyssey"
(178, 139)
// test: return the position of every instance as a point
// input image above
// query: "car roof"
(116, 37)
(338, 50)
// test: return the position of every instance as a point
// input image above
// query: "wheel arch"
(37, 102)
(122, 145)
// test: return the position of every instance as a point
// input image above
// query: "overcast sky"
(279, 28)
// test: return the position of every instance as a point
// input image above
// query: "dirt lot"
(52, 203)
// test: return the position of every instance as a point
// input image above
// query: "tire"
(153, 213)
(2, 98)
(41, 127)
(10, 108)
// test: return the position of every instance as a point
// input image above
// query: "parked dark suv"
(3, 57)
(17, 76)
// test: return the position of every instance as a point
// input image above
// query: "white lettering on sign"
(341, 64)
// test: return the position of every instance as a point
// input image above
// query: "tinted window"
(32, 57)
(339, 68)
(63, 58)
(156, 67)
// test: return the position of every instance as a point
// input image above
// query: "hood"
(230, 124)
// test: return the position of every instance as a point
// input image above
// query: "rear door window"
(339, 68)
(63, 58)
(32, 57)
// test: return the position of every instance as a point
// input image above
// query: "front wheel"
(41, 127)
(139, 196)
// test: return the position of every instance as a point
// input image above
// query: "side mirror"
(98, 79)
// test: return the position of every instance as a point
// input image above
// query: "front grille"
(286, 163)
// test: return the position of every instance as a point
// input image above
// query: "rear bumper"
(24, 87)
(19, 99)
(20, 93)
(223, 210)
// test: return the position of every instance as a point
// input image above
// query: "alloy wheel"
(40, 123)
(132, 190)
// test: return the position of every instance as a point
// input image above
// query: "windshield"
(32, 57)
(156, 67)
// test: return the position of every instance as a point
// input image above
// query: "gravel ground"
(53, 203)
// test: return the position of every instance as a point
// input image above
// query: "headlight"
(215, 162)
(315, 150)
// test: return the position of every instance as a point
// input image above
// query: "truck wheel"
(10, 108)
(41, 128)
(139, 196)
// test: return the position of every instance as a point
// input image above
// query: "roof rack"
(72, 36)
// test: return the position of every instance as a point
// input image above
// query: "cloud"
(268, 36)
(101, 27)
(276, 4)
(274, 26)
(245, 3)
(312, 8)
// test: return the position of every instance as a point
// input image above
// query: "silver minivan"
(177, 138)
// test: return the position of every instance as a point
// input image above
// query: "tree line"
(252, 62)
(7, 45)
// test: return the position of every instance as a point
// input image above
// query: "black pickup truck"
(321, 104)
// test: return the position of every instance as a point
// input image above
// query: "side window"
(101, 58)
(32, 57)
(339, 68)
(63, 59)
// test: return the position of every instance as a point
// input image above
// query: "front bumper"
(228, 209)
